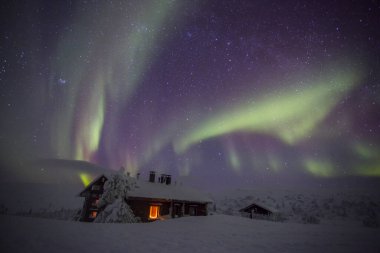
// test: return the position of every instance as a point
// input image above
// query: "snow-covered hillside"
(45, 185)
(216, 233)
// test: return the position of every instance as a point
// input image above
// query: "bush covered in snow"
(113, 205)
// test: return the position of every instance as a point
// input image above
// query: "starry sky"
(215, 91)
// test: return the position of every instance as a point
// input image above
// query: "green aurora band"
(319, 168)
(290, 117)
(93, 73)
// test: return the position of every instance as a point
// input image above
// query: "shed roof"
(248, 208)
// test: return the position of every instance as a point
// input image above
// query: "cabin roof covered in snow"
(157, 190)
(146, 189)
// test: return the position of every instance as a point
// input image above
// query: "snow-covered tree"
(113, 201)
(117, 212)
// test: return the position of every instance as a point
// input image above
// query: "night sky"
(215, 91)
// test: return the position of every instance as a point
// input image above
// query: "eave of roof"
(91, 184)
(170, 192)
(259, 205)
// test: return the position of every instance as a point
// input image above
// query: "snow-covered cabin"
(259, 210)
(150, 200)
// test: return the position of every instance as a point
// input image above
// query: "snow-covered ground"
(215, 233)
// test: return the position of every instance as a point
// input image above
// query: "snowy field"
(216, 233)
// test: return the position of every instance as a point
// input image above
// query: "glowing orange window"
(93, 214)
(153, 212)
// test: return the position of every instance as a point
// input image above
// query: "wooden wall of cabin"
(202, 210)
(165, 208)
(195, 209)
(141, 208)
(90, 205)
(178, 209)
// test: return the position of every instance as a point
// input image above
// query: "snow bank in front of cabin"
(216, 233)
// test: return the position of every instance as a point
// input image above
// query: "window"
(193, 210)
(95, 187)
(93, 214)
(154, 212)
(95, 202)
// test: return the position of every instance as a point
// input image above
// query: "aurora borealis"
(253, 89)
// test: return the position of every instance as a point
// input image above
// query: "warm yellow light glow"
(153, 213)
(93, 214)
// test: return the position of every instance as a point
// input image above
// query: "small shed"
(260, 211)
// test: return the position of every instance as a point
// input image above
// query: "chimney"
(152, 176)
(163, 178)
(168, 179)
